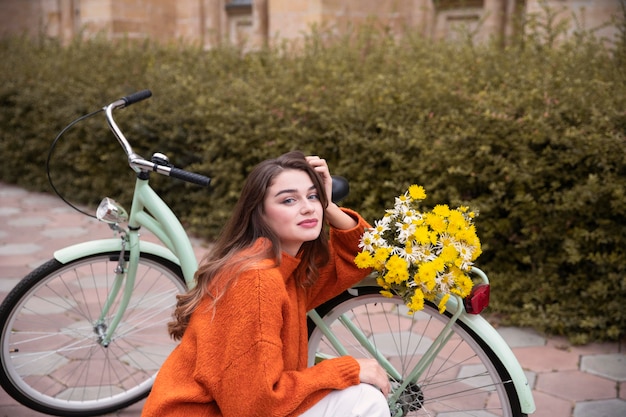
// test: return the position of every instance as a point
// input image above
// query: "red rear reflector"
(478, 299)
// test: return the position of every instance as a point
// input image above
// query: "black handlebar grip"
(136, 97)
(191, 177)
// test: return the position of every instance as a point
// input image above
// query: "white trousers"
(361, 400)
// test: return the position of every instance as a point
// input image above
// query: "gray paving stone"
(16, 204)
(612, 366)
(63, 210)
(516, 338)
(6, 285)
(19, 249)
(29, 222)
(604, 408)
(8, 211)
(531, 377)
(64, 232)
(40, 200)
(11, 191)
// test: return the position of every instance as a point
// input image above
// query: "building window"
(239, 7)
(240, 25)
(441, 5)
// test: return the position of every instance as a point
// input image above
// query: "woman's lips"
(308, 223)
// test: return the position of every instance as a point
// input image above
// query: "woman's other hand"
(372, 373)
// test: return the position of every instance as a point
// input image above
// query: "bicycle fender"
(494, 340)
(496, 343)
(93, 247)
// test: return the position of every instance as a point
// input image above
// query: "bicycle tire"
(51, 359)
(465, 378)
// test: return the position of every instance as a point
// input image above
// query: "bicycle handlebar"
(139, 164)
(135, 161)
(137, 97)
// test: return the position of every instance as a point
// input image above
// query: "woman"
(243, 329)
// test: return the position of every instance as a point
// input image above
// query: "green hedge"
(532, 135)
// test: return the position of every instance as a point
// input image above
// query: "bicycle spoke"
(459, 378)
(53, 353)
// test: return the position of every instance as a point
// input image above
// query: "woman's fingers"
(321, 167)
(372, 373)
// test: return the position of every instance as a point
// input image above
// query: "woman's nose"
(307, 206)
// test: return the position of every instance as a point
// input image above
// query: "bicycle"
(84, 334)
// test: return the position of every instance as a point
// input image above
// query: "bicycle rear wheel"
(52, 361)
(465, 378)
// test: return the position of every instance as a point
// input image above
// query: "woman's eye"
(289, 200)
(314, 197)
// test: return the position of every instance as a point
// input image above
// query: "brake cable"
(54, 143)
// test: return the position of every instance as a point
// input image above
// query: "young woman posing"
(243, 328)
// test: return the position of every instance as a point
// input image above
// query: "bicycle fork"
(125, 273)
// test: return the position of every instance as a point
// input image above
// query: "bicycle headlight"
(110, 211)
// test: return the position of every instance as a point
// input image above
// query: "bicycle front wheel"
(464, 378)
(52, 360)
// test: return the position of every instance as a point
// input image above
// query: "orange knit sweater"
(248, 357)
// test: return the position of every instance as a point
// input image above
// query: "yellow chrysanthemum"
(381, 255)
(438, 264)
(430, 283)
(430, 296)
(466, 235)
(456, 222)
(463, 284)
(448, 254)
(397, 270)
(417, 192)
(421, 256)
(416, 303)
(442, 210)
(386, 293)
(408, 247)
(421, 235)
(434, 237)
(442, 303)
(426, 274)
(364, 260)
(435, 222)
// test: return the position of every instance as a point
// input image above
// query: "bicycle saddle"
(341, 188)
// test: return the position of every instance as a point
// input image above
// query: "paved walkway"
(567, 381)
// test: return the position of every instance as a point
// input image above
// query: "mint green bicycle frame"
(158, 219)
(476, 323)
(150, 212)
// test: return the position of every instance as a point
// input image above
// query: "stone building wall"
(256, 22)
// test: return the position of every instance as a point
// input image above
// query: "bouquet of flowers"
(421, 255)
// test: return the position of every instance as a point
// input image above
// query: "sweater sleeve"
(341, 272)
(253, 378)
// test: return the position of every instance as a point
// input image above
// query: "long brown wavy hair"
(223, 264)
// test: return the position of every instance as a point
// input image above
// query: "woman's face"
(293, 210)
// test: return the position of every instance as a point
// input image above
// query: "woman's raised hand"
(321, 167)
(334, 215)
